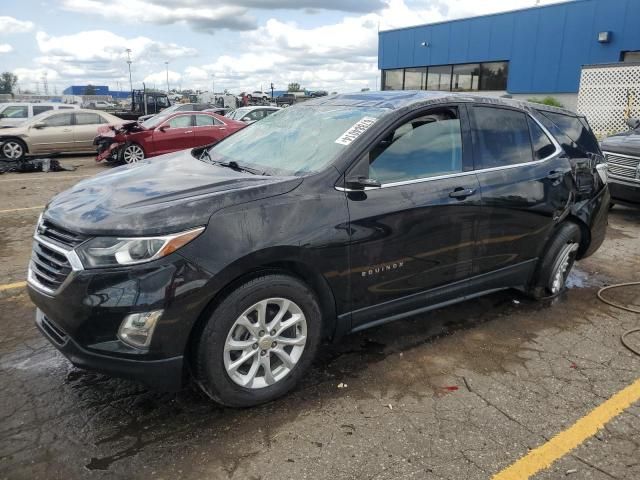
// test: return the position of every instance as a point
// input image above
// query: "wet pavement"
(459, 393)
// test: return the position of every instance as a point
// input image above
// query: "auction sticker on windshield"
(354, 132)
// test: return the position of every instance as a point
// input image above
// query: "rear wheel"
(259, 341)
(132, 153)
(557, 262)
(14, 149)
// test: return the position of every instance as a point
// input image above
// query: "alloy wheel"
(133, 154)
(265, 343)
(561, 267)
(12, 150)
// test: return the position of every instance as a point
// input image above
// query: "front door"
(52, 134)
(416, 232)
(175, 134)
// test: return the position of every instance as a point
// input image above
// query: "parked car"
(333, 216)
(219, 110)
(163, 133)
(251, 114)
(100, 105)
(259, 95)
(14, 114)
(287, 99)
(55, 132)
(622, 152)
(179, 107)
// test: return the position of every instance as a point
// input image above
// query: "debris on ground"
(33, 165)
(342, 385)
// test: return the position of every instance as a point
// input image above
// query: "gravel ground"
(459, 393)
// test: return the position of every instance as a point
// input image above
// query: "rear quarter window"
(574, 135)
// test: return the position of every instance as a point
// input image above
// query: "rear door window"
(41, 108)
(88, 119)
(206, 121)
(182, 121)
(543, 147)
(500, 137)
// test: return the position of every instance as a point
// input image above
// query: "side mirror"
(39, 125)
(633, 123)
(361, 183)
(163, 128)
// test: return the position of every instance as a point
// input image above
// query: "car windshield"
(296, 141)
(154, 121)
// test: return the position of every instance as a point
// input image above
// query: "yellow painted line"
(21, 209)
(42, 177)
(542, 457)
(10, 286)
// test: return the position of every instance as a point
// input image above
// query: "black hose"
(624, 336)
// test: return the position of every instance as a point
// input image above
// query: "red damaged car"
(160, 134)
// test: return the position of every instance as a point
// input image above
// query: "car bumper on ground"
(624, 192)
(83, 318)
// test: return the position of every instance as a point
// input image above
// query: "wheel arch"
(295, 268)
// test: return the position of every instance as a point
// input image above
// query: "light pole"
(213, 83)
(129, 62)
(167, 64)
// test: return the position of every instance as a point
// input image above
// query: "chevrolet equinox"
(231, 264)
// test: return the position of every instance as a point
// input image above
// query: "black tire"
(567, 237)
(209, 367)
(7, 146)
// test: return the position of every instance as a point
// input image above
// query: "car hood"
(169, 193)
(627, 143)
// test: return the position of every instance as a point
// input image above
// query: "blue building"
(537, 51)
(98, 89)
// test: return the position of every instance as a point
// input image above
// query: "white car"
(100, 105)
(14, 114)
(251, 114)
(259, 95)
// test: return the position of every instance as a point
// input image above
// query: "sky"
(239, 45)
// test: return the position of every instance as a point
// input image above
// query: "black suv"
(232, 264)
(622, 152)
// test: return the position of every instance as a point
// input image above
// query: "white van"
(13, 114)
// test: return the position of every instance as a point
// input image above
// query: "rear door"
(52, 134)
(86, 129)
(208, 129)
(417, 231)
(526, 185)
(177, 133)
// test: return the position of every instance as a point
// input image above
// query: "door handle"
(462, 193)
(555, 175)
(189, 131)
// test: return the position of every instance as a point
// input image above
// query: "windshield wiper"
(231, 164)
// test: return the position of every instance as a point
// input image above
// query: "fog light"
(137, 329)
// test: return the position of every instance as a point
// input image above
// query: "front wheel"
(132, 153)
(557, 262)
(14, 149)
(259, 341)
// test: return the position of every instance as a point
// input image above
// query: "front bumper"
(82, 318)
(624, 192)
(165, 374)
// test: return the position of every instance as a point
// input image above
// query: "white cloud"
(31, 78)
(10, 25)
(5, 48)
(159, 79)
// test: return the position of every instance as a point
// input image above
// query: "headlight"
(114, 251)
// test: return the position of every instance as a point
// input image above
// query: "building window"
(631, 57)
(393, 79)
(439, 78)
(470, 77)
(415, 78)
(493, 76)
(466, 78)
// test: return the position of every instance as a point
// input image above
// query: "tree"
(90, 90)
(8, 82)
(293, 87)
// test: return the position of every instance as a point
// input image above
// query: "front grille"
(623, 166)
(50, 265)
